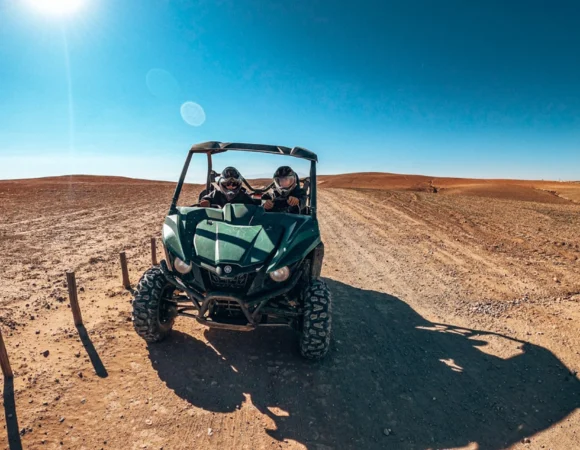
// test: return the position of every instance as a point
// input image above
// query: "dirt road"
(456, 326)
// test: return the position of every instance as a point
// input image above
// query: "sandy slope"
(456, 326)
(523, 190)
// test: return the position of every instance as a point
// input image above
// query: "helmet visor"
(230, 183)
(286, 182)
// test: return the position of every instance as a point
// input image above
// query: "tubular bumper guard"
(202, 301)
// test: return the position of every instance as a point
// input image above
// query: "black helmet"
(230, 182)
(285, 180)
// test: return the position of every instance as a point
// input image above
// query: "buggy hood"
(241, 235)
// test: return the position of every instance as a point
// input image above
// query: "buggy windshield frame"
(214, 147)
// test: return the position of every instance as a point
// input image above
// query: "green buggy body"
(239, 267)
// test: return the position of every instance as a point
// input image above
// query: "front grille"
(229, 306)
(237, 283)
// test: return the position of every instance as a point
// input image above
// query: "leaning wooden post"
(153, 251)
(125, 271)
(73, 298)
(6, 369)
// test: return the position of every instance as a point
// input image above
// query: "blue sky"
(477, 89)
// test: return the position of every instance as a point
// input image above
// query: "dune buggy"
(239, 267)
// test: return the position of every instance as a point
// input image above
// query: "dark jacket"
(281, 206)
(217, 197)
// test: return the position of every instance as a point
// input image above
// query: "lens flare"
(56, 7)
(193, 114)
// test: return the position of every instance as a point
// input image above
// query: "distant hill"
(103, 179)
(526, 190)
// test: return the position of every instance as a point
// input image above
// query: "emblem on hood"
(228, 269)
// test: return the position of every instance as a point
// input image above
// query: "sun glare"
(56, 7)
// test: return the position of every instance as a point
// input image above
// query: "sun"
(56, 7)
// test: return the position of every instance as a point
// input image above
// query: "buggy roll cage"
(214, 147)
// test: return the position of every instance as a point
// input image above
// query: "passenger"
(287, 195)
(229, 190)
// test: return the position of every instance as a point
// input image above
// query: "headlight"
(181, 267)
(280, 274)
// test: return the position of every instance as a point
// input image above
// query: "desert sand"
(457, 308)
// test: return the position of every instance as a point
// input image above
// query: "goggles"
(234, 182)
(286, 182)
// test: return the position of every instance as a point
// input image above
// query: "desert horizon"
(320, 176)
(544, 191)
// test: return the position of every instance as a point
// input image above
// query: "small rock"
(80, 374)
(209, 431)
(83, 400)
(526, 441)
(45, 353)
(37, 332)
(61, 420)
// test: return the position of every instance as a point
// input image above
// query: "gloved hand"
(293, 201)
(268, 204)
(204, 203)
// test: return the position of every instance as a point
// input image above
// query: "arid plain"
(457, 312)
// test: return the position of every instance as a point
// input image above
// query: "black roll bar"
(210, 148)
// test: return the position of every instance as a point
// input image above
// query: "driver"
(229, 190)
(287, 195)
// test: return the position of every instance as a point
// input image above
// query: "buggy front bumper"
(251, 306)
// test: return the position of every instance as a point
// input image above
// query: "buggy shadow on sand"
(432, 385)
(239, 267)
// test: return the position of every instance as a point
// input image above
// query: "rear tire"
(316, 320)
(153, 314)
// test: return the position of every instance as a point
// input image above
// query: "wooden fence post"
(153, 251)
(73, 298)
(4, 362)
(125, 271)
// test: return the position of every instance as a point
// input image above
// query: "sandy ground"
(456, 326)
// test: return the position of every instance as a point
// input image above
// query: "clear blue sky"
(466, 88)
